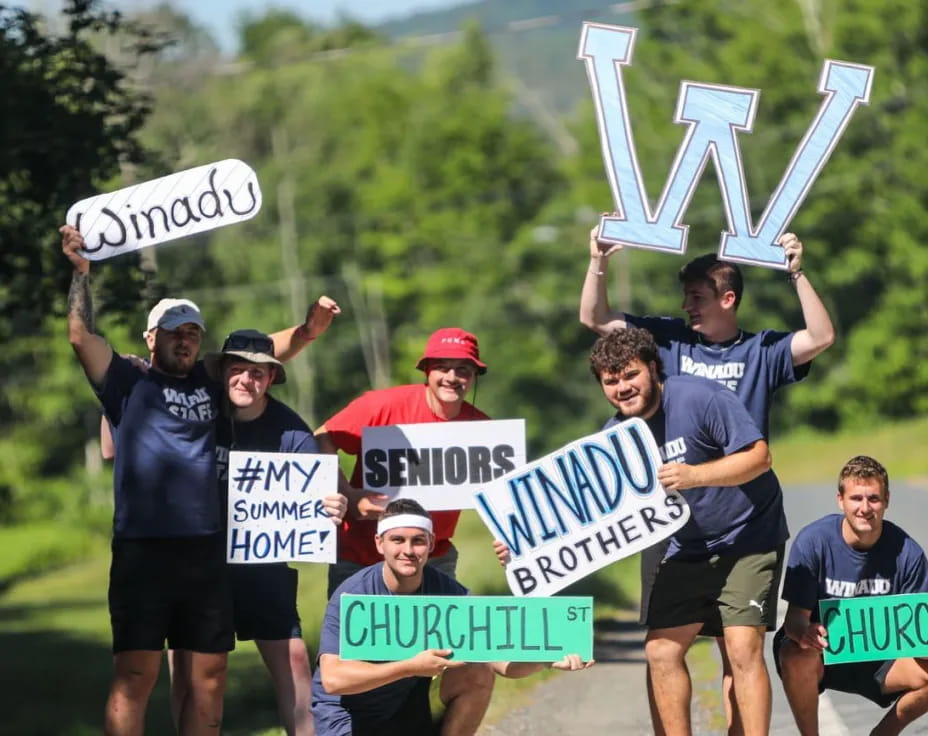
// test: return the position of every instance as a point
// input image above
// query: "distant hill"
(536, 41)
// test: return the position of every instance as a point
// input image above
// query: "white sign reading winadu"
(594, 501)
(275, 507)
(440, 464)
(164, 209)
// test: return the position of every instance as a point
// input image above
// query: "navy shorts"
(173, 589)
(413, 718)
(858, 678)
(264, 601)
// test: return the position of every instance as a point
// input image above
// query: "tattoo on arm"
(79, 301)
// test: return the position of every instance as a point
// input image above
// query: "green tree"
(73, 121)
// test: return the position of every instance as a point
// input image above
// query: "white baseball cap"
(172, 313)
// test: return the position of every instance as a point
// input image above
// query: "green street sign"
(875, 627)
(380, 628)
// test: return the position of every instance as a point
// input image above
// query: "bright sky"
(220, 16)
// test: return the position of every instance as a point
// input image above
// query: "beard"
(167, 362)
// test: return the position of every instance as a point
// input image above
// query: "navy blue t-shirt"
(822, 565)
(700, 420)
(754, 366)
(278, 429)
(164, 477)
(335, 715)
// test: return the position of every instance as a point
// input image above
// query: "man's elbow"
(332, 683)
(764, 458)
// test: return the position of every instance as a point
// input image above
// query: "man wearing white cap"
(357, 698)
(451, 363)
(168, 578)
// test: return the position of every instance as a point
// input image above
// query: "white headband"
(414, 520)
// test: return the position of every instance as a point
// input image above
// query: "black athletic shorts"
(174, 589)
(414, 717)
(264, 601)
(857, 678)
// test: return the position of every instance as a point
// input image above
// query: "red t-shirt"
(397, 405)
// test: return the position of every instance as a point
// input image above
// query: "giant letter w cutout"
(713, 114)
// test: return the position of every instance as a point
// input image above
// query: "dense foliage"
(404, 185)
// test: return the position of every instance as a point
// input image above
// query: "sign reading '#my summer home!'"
(875, 627)
(714, 115)
(580, 508)
(275, 507)
(476, 628)
(160, 210)
(440, 464)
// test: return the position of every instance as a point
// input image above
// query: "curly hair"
(720, 276)
(863, 467)
(612, 352)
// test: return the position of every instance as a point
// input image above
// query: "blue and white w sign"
(713, 115)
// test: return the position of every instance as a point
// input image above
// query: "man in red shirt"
(451, 363)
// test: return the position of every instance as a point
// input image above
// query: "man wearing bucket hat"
(451, 363)
(264, 596)
(168, 576)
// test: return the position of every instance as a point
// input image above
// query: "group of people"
(704, 389)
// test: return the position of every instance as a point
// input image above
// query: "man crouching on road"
(846, 555)
(392, 698)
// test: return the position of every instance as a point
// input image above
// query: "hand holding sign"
(72, 245)
(432, 662)
(792, 248)
(814, 637)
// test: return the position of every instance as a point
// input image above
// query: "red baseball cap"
(452, 342)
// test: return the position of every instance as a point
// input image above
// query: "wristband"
(794, 275)
(597, 273)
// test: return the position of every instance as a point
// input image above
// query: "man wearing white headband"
(356, 698)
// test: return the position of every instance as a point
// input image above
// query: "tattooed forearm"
(79, 301)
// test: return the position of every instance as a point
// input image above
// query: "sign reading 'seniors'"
(580, 508)
(276, 512)
(476, 628)
(440, 464)
(875, 627)
(164, 209)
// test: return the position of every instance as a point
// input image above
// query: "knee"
(210, 680)
(299, 662)
(796, 661)
(475, 680)
(134, 685)
(663, 653)
(746, 651)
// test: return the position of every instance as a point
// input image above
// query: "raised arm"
(594, 301)
(350, 677)
(731, 470)
(818, 334)
(289, 342)
(92, 350)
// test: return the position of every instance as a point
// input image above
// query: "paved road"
(611, 698)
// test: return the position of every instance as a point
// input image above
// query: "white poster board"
(275, 507)
(440, 464)
(594, 501)
(174, 206)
